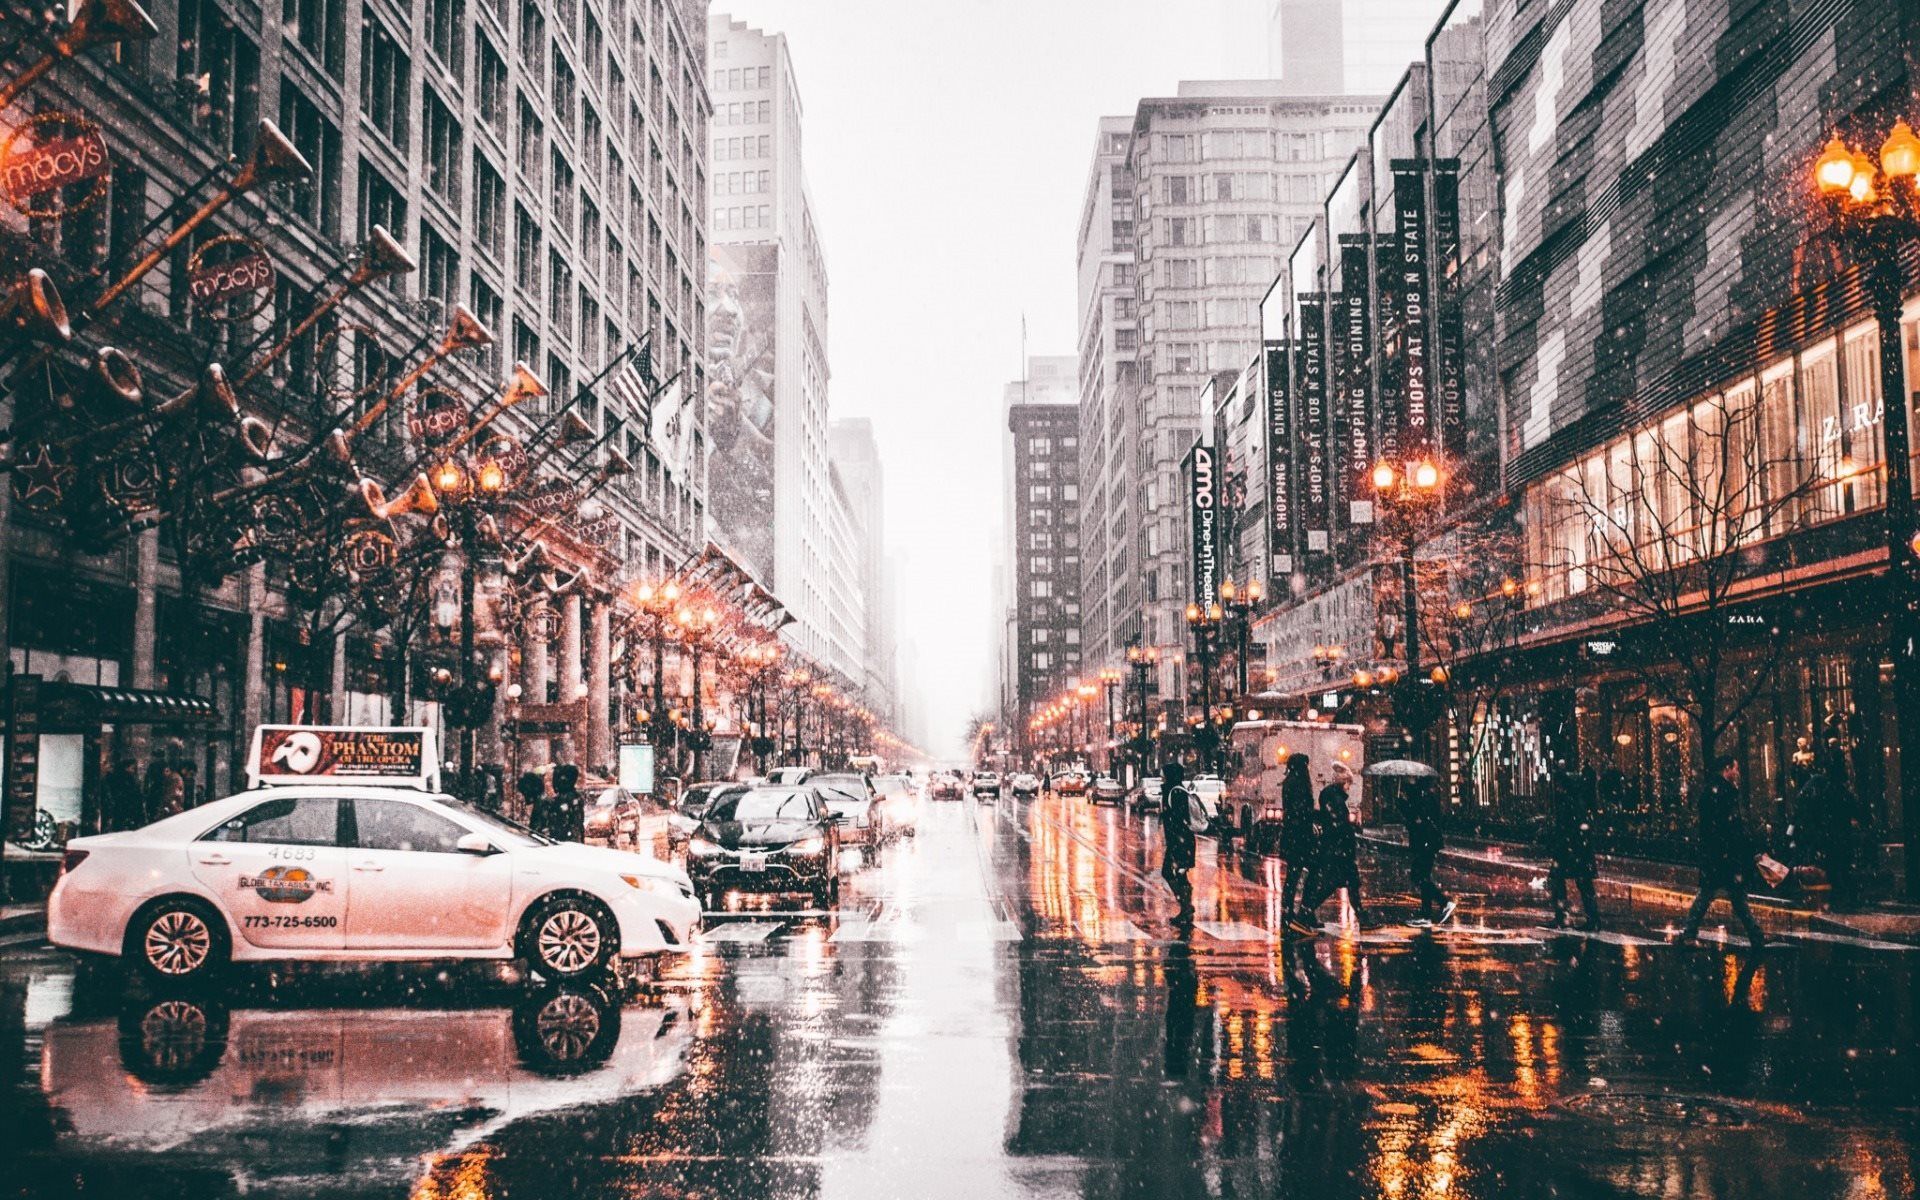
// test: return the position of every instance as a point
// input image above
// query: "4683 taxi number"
(288, 922)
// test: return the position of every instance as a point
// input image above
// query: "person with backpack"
(1420, 807)
(1570, 845)
(1336, 857)
(1177, 831)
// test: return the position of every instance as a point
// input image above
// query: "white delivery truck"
(1256, 760)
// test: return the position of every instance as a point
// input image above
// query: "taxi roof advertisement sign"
(371, 756)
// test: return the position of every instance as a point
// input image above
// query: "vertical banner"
(1280, 533)
(1410, 282)
(1354, 434)
(1386, 333)
(1316, 494)
(1450, 318)
(1203, 478)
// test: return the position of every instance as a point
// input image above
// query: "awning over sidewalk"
(125, 706)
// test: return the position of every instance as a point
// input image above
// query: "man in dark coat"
(1336, 856)
(1826, 822)
(569, 806)
(1726, 855)
(1296, 829)
(123, 803)
(1177, 857)
(1420, 806)
(1570, 843)
(533, 799)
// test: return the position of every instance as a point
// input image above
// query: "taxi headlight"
(811, 845)
(703, 847)
(647, 883)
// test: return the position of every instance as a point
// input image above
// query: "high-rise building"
(1330, 47)
(856, 461)
(544, 163)
(1043, 612)
(1226, 176)
(1111, 460)
(773, 495)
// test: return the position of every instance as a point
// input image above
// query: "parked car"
(1069, 783)
(768, 840)
(685, 817)
(946, 787)
(1024, 784)
(986, 785)
(850, 798)
(1107, 790)
(352, 872)
(613, 816)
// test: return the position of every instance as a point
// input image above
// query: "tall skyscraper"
(1042, 650)
(1111, 460)
(772, 484)
(1227, 177)
(856, 461)
(1358, 47)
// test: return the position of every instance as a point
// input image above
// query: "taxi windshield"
(511, 832)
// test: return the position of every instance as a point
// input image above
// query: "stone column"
(253, 684)
(599, 681)
(340, 713)
(570, 666)
(536, 665)
(146, 573)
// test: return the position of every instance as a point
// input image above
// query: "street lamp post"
(1110, 680)
(1877, 215)
(696, 626)
(1084, 695)
(1205, 623)
(1409, 492)
(468, 489)
(1143, 660)
(1241, 603)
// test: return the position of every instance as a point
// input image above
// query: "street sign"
(636, 768)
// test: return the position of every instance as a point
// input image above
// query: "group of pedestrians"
(559, 811)
(1319, 843)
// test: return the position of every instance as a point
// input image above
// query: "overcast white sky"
(947, 144)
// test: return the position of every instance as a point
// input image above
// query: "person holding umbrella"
(1420, 806)
(1336, 856)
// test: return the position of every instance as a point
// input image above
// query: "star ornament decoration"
(41, 481)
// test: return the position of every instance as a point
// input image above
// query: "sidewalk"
(1665, 887)
(22, 925)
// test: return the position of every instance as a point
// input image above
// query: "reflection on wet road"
(999, 1009)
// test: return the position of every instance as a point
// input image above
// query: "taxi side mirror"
(474, 843)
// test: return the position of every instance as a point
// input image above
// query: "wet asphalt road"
(999, 1009)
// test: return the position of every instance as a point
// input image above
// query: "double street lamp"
(1240, 603)
(1410, 492)
(1205, 622)
(1876, 215)
(1143, 660)
(1110, 679)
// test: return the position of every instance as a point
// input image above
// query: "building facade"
(1043, 625)
(1226, 176)
(774, 504)
(544, 165)
(1111, 464)
(856, 461)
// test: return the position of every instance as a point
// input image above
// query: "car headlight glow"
(703, 847)
(811, 845)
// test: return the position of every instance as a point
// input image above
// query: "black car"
(768, 840)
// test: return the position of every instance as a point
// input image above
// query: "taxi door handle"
(214, 860)
(368, 866)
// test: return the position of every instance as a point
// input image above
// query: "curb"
(23, 925)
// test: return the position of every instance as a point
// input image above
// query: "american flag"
(633, 384)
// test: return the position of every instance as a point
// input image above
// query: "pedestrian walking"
(1296, 830)
(1420, 807)
(1726, 855)
(533, 801)
(1336, 856)
(123, 804)
(1570, 845)
(1826, 822)
(1178, 852)
(569, 807)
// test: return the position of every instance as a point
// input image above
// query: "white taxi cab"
(322, 861)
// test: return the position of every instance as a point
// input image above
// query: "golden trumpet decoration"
(464, 332)
(382, 257)
(97, 23)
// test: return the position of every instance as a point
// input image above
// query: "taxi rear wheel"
(178, 941)
(569, 937)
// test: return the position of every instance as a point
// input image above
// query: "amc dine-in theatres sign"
(1203, 475)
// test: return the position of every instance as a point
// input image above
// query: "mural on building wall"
(741, 327)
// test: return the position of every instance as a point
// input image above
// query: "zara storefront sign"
(1203, 475)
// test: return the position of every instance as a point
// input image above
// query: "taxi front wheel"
(178, 940)
(569, 937)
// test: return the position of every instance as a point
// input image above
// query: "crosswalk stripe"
(989, 931)
(744, 931)
(1233, 931)
(1849, 939)
(1606, 936)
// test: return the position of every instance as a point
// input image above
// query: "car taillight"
(73, 859)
